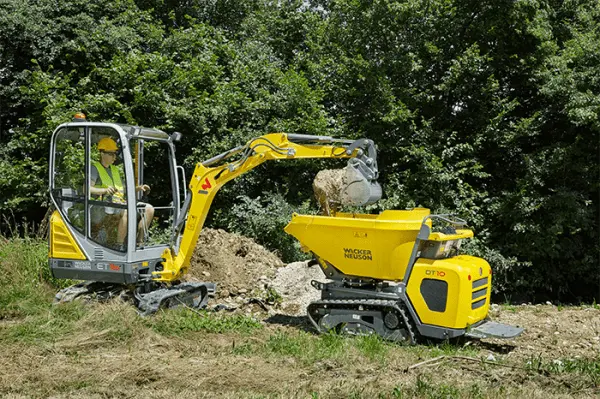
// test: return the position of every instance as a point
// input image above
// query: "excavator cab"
(115, 235)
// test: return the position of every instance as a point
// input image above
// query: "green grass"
(423, 387)
(119, 321)
(305, 347)
(446, 349)
(586, 367)
(285, 344)
(44, 327)
(27, 289)
(372, 346)
(509, 308)
(26, 286)
(29, 320)
(175, 322)
(308, 348)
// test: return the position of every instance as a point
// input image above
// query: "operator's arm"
(102, 191)
(142, 187)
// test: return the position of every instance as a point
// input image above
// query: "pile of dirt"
(237, 264)
(292, 282)
(251, 278)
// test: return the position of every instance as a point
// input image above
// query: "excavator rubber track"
(192, 295)
(386, 318)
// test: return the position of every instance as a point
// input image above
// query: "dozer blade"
(193, 295)
(491, 329)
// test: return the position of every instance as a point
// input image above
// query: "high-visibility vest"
(106, 181)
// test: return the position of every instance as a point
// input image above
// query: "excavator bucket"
(360, 188)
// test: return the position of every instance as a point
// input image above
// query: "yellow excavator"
(391, 274)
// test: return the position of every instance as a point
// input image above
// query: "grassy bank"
(107, 350)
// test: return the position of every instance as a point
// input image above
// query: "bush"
(263, 219)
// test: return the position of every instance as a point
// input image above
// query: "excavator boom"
(210, 175)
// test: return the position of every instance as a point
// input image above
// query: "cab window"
(69, 176)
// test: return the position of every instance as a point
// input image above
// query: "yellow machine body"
(446, 291)
(463, 281)
(373, 246)
(62, 244)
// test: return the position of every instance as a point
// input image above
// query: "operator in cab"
(107, 186)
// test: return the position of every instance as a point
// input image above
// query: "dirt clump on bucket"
(328, 186)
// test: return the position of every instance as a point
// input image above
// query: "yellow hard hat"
(107, 144)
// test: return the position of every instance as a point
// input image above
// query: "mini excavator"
(84, 239)
(391, 274)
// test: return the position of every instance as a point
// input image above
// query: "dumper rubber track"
(386, 318)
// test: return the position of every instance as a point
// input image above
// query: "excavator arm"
(210, 175)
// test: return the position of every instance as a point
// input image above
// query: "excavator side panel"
(452, 292)
(62, 243)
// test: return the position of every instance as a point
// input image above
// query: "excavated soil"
(237, 264)
(250, 277)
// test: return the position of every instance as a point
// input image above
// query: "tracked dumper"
(394, 275)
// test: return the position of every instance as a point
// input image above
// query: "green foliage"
(265, 220)
(26, 285)
(272, 297)
(589, 369)
(486, 110)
